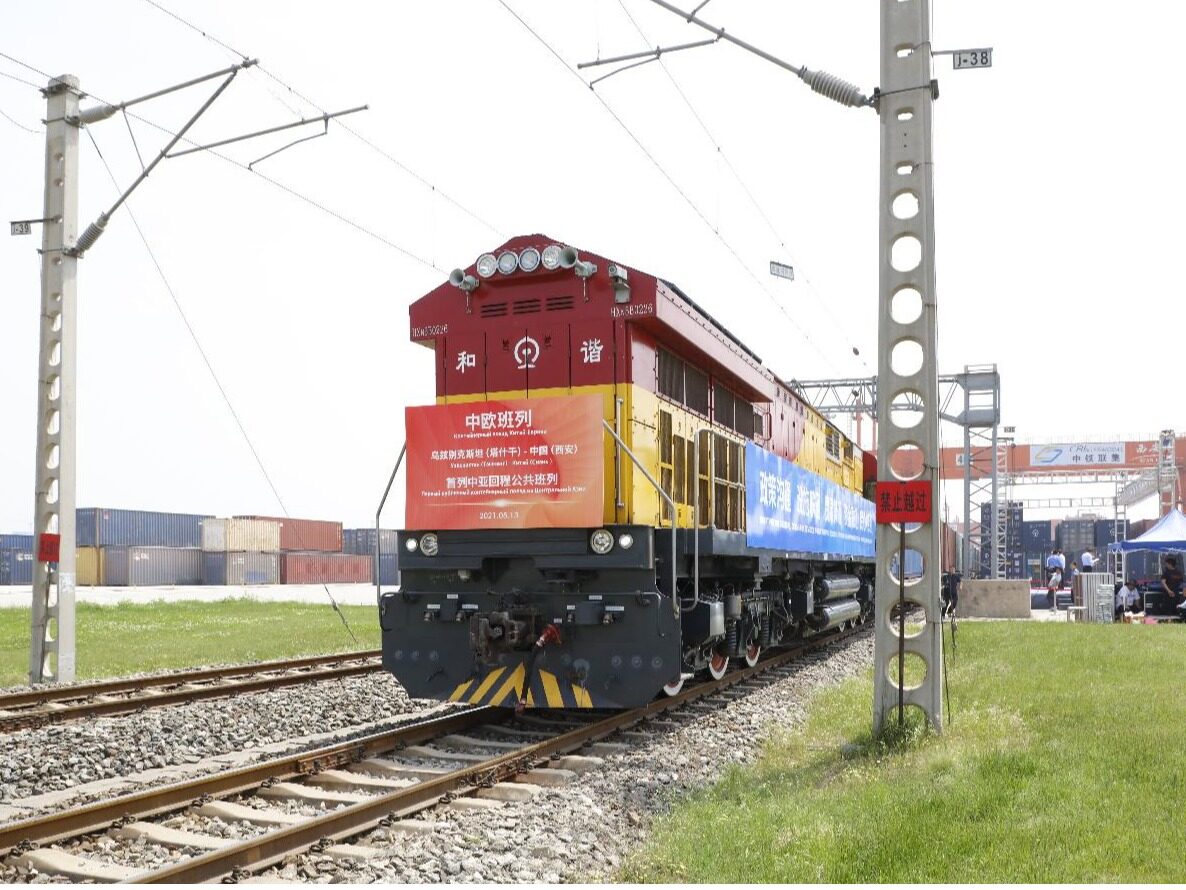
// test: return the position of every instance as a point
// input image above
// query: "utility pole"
(51, 649)
(51, 654)
(907, 264)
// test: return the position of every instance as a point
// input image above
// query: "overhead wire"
(262, 70)
(209, 365)
(724, 158)
(17, 123)
(671, 181)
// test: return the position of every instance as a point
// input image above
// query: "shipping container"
(16, 567)
(307, 534)
(388, 569)
(1036, 535)
(151, 566)
(240, 535)
(239, 569)
(1105, 532)
(1138, 527)
(99, 527)
(325, 568)
(362, 540)
(88, 566)
(23, 543)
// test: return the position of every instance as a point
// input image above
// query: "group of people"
(1057, 575)
(1128, 596)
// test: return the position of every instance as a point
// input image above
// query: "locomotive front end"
(562, 618)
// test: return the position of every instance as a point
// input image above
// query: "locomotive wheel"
(717, 665)
(752, 651)
(674, 687)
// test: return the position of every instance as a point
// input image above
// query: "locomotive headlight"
(626, 541)
(601, 542)
(411, 545)
(429, 545)
(508, 262)
(551, 257)
(487, 265)
(529, 260)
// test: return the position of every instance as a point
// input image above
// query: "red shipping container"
(325, 568)
(306, 534)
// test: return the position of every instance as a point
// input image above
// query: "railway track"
(58, 704)
(471, 758)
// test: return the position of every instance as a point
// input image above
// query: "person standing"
(1062, 566)
(1171, 583)
(1052, 562)
(1087, 560)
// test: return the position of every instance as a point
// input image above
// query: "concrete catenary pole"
(51, 653)
(908, 398)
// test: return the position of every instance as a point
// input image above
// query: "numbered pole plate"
(972, 58)
(22, 227)
(782, 270)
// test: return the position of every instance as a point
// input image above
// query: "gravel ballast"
(64, 756)
(581, 832)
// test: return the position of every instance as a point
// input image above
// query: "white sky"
(1059, 193)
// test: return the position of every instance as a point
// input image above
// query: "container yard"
(137, 548)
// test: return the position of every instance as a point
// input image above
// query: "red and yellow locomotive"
(610, 494)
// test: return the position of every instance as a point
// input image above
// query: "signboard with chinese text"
(903, 501)
(792, 509)
(1078, 454)
(49, 547)
(522, 463)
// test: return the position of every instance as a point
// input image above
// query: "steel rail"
(25, 705)
(101, 815)
(269, 849)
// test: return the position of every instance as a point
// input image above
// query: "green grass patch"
(113, 640)
(1064, 762)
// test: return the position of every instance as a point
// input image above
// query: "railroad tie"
(374, 766)
(309, 794)
(77, 868)
(546, 776)
(170, 837)
(509, 792)
(237, 812)
(429, 753)
(467, 741)
(336, 778)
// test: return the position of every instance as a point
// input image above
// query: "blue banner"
(792, 509)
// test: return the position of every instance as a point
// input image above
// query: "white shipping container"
(240, 535)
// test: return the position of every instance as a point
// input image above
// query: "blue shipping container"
(238, 569)
(389, 568)
(362, 541)
(99, 527)
(1105, 532)
(17, 542)
(1036, 535)
(16, 567)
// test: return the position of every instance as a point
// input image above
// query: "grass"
(1064, 763)
(126, 638)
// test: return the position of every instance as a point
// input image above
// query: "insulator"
(835, 88)
(90, 236)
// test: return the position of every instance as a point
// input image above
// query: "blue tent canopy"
(1169, 534)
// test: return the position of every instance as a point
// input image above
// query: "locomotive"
(610, 494)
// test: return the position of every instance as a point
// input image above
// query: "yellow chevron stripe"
(581, 696)
(514, 683)
(551, 690)
(530, 699)
(459, 692)
(491, 679)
